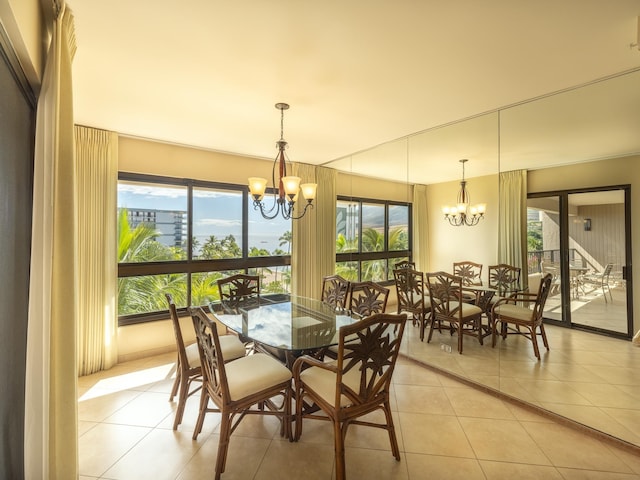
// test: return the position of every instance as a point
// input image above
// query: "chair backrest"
(214, 376)
(410, 290)
(405, 264)
(367, 298)
(365, 365)
(335, 291)
(173, 312)
(238, 288)
(445, 291)
(504, 278)
(470, 272)
(541, 298)
(607, 272)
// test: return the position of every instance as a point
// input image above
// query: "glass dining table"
(282, 325)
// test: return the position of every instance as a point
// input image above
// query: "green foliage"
(146, 293)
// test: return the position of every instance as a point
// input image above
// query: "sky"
(215, 212)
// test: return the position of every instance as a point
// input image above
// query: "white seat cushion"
(514, 311)
(253, 373)
(193, 355)
(323, 382)
(231, 347)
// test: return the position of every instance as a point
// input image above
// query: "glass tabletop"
(283, 321)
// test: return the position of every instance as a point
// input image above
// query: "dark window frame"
(386, 254)
(190, 266)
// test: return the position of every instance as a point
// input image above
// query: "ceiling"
(370, 83)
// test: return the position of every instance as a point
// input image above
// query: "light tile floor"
(446, 430)
(589, 378)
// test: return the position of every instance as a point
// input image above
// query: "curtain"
(314, 236)
(50, 390)
(512, 234)
(97, 163)
(420, 228)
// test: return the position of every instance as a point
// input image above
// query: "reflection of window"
(371, 237)
(180, 236)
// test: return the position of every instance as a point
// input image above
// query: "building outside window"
(180, 236)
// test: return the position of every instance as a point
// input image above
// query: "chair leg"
(460, 337)
(204, 401)
(544, 336)
(298, 416)
(223, 444)
(534, 340)
(176, 382)
(433, 321)
(395, 450)
(182, 399)
(339, 434)
(494, 326)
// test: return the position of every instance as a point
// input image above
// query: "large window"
(180, 236)
(371, 237)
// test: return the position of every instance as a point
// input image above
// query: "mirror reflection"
(570, 143)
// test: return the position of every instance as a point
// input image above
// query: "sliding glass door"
(582, 239)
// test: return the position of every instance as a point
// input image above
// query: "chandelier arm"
(291, 216)
(266, 214)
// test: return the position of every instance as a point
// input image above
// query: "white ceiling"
(365, 73)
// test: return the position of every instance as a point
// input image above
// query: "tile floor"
(592, 379)
(446, 430)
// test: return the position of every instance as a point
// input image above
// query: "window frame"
(385, 254)
(191, 266)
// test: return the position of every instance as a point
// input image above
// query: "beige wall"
(24, 24)
(447, 243)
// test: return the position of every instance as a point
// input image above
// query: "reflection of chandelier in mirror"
(288, 189)
(464, 213)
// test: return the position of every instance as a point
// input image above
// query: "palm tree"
(286, 239)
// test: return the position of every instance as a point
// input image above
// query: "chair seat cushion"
(231, 347)
(193, 355)
(514, 311)
(254, 373)
(323, 382)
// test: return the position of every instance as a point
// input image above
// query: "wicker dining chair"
(335, 291)
(188, 368)
(256, 384)
(356, 384)
(447, 306)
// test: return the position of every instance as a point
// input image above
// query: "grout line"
(591, 432)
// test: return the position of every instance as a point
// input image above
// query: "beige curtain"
(50, 390)
(314, 236)
(512, 234)
(420, 228)
(97, 164)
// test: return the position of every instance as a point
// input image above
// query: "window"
(180, 236)
(371, 237)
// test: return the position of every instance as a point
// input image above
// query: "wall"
(156, 158)
(448, 244)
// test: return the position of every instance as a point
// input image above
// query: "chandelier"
(288, 189)
(464, 213)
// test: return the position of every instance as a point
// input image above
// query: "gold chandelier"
(463, 213)
(285, 195)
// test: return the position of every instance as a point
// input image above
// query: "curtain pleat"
(313, 253)
(97, 161)
(512, 234)
(420, 228)
(50, 390)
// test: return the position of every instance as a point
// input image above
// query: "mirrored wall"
(595, 122)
